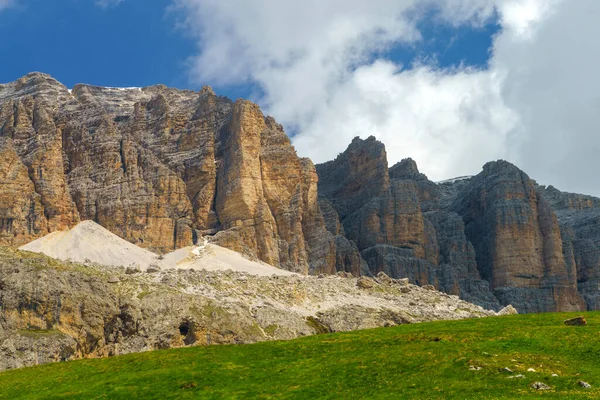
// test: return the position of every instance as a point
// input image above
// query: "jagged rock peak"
(355, 175)
(32, 83)
(207, 90)
(504, 168)
(406, 169)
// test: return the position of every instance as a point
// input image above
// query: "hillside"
(438, 360)
(61, 311)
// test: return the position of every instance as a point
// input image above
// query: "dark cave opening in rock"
(184, 328)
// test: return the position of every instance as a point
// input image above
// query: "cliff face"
(517, 240)
(494, 239)
(159, 167)
(579, 219)
(163, 167)
(395, 218)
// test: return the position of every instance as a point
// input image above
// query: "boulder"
(364, 282)
(508, 310)
(579, 321)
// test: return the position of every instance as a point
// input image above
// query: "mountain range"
(163, 168)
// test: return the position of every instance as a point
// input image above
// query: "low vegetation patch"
(489, 358)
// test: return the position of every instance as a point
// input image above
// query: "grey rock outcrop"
(54, 311)
(397, 220)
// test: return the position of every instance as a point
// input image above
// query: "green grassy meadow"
(421, 361)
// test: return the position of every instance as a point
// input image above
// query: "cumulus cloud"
(323, 73)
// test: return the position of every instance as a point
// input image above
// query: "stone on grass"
(584, 385)
(579, 321)
(540, 386)
(508, 310)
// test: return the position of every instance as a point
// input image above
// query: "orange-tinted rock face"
(21, 216)
(159, 167)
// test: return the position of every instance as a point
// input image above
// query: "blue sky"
(452, 84)
(137, 43)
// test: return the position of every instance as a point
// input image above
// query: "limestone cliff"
(517, 240)
(159, 167)
(394, 217)
(579, 219)
(494, 239)
(162, 167)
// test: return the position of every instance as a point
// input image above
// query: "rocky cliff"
(162, 167)
(395, 218)
(494, 238)
(159, 167)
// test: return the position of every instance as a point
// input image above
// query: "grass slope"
(427, 361)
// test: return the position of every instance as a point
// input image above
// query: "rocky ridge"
(162, 168)
(59, 311)
(496, 238)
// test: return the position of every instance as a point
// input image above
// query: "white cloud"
(6, 4)
(108, 3)
(320, 67)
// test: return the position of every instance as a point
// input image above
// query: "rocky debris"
(88, 241)
(364, 282)
(428, 287)
(508, 310)
(153, 268)
(506, 369)
(584, 385)
(518, 376)
(382, 277)
(402, 281)
(530, 370)
(474, 368)
(579, 321)
(53, 311)
(540, 386)
(132, 270)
